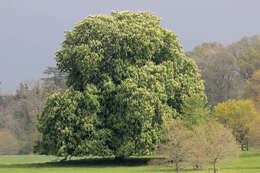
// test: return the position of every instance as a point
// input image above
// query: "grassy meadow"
(249, 162)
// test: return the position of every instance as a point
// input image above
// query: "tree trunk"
(177, 168)
(215, 169)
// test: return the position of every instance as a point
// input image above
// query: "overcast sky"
(32, 30)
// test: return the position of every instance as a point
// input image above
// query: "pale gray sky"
(32, 30)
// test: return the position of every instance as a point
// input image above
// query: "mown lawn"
(249, 162)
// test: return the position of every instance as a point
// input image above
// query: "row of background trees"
(229, 72)
(232, 85)
(19, 112)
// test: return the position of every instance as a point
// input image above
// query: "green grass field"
(249, 162)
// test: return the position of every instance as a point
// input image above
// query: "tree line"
(19, 112)
(226, 70)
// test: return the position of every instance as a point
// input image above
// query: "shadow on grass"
(90, 162)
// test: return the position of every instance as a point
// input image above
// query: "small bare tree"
(218, 142)
(210, 143)
(198, 156)
(176, 145)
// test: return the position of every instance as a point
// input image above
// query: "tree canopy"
(176, 146)
(206, 143)
(136, 74)
(218, 143)
(238, 115)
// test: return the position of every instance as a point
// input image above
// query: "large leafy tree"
(140, 77)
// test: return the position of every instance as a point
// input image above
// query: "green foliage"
(102, 47)
(194, 111)
(237, 115)
(72, 126)
(141, 77)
